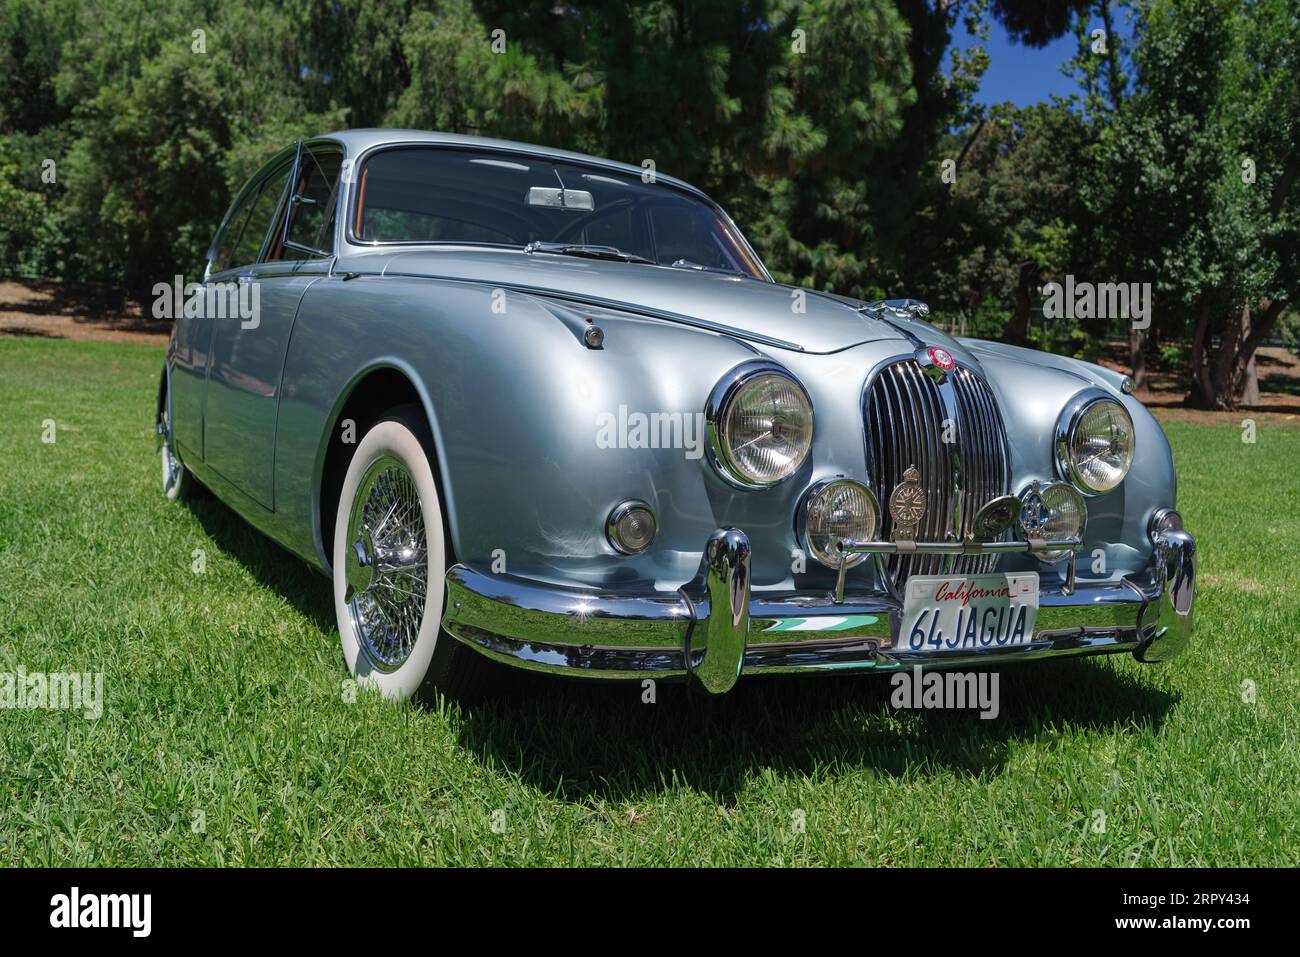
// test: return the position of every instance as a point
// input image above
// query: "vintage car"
(536, 407)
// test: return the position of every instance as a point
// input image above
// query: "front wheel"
(390, 562)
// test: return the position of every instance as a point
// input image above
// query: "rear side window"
(259, 218)
(242, 240)
(225, 255)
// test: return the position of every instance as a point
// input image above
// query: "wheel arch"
(382, 385)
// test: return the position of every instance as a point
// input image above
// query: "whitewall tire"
(389, 565)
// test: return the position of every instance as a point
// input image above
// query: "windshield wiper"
(691, 264)
(588, 250)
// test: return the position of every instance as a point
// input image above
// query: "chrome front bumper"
(715, 628)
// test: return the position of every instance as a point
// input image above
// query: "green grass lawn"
(227, 737)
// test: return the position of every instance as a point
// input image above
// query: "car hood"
(764, 312)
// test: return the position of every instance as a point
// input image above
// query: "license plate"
(968, 613)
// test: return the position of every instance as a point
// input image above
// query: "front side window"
(431, 195)
(311, 222)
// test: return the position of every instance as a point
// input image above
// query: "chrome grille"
(904, 422)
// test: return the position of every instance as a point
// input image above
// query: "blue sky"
(1022, 74)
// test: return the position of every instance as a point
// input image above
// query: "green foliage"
(827, 128)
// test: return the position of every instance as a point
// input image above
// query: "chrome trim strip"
(968, 547)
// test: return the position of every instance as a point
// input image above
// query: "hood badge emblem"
(936, 362)
(942, 358)
(907, 505)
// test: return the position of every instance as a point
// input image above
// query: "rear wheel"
(176, 479)
(390, 562)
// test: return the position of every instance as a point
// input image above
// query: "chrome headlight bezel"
(818, 489)
(1067, 425)
(719, 404)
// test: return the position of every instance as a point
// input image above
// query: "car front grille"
(904, 416)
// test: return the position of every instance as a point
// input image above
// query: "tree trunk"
(1230, 378)
(1256, 331)
(1199, 395)
(1250, 385)
(1017, 331)
(1137, 359)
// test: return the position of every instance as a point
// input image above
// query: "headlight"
(840, 509)
(1053, 512)
(1094, 443)
(760, 425)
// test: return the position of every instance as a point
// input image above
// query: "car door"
(248, 353)
(191, 352)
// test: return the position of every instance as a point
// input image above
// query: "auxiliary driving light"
(841, 509)
(1052, 511)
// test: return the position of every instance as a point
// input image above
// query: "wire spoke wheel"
(387, 563)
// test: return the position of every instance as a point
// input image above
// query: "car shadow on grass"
(582, 741)
(273, 566)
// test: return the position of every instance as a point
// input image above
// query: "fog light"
(1054, 511)
(840, 509)
(1165, 520)
(631, 527)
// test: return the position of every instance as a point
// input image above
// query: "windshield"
(431, 195)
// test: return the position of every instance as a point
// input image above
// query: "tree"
(1215, 87)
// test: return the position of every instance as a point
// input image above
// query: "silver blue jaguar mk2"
(533, 406)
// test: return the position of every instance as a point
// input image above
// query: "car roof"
(358, 141)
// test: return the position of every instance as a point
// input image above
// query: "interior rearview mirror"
(555, 198)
